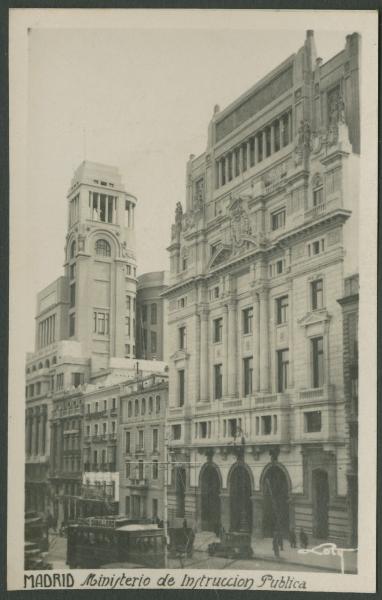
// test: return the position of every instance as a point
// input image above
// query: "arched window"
(47, 364)
(54, 360)
(73, 249)
(158, 404)
(34, 368)
(143, 406)
(40, 365)
(136, 411)
(130, 409)
(102, 248)
(151, 406)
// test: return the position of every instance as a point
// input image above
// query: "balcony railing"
(95, 413)
(138, 482)
(139, 448)
(317, 394)
(98, 492)
(100, 467)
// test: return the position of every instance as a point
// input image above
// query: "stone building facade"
(142, 446)
(350, 308)
(258, 258)
(151, 316)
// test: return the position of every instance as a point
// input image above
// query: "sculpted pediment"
(314, 317)
(179, 355)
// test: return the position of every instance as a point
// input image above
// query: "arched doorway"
(276, 504)
(240, 499)
(210, 499)
(320, 494)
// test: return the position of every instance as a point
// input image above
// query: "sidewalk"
(324, 555)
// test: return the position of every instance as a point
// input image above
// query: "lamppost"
(240, 452)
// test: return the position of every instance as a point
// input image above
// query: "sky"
(139, 98)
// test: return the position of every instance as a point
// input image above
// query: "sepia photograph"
(193, 287)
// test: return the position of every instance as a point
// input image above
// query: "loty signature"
(328, 549)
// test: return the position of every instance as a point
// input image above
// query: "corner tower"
(100, 264)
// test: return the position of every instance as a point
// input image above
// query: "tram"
(96, 542)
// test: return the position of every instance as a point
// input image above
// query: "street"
(200, 560)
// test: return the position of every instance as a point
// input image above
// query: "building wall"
(143, 409)
(151, 315)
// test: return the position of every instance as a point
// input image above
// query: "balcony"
(139, 449)
(139, 483)
(96, 414)
(271, 401)
(109, 467)
(98, 492)
(316, 395)
(322, 209)
(102, 437)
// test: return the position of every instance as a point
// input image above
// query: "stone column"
(256, 149)
(290, 334)
(225, 510)
(290, 126)
(272, 138)
(233, 164)
(326, 346)
(220, 173)
(249, 154)
(256, 346)
(232, 347)
(280, 133)
(241, 159)
(204, 395)
(225, 351)
(264, 341)
(226, 168)
(264, 143)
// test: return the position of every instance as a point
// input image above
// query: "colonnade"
(36, 431)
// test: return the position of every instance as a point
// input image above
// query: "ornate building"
(258, 258)
(81, 333)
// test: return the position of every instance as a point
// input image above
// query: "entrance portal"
(276, 505)
(210, 500)
(320, 504)
(240, 500)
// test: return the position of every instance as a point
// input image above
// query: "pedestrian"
(280, 540)
(292, 538)
(275, 545)
(303, 539)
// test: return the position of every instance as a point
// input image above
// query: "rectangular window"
(60, 381)
(155, 508)
(282, 310)
(247, 320)
(218, 329)
(128, 469)
(182, 338)
(203, 429)
(317, 294)
(140, 470)
(181, 388)
(101, 323)
(155, 469)
(155, 440)
(279, 267)
(278, 219)
(141, 439)
(312, 421)
(248, 375)
(72, 295)
(127, 505)
(153, 314)
(317, 362)
(77, 379)
(282, 370)
(72, 324)
(144, 313)
(266, 425)
(127, 326)
(127, 442)
(72, 271)
(218, 381)
(176, 432)
(104, 428)
(153, 341)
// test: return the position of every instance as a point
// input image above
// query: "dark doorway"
(276, 504)
(240, 500)
(320, 504)
(210, 499)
